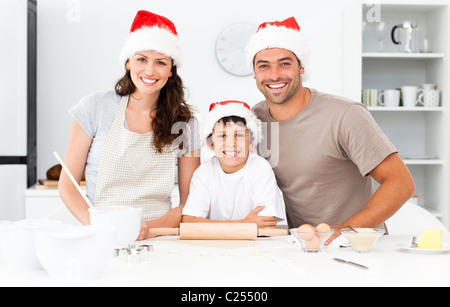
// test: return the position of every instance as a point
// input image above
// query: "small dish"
(416, 250)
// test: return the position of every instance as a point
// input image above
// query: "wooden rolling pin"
(217, 231)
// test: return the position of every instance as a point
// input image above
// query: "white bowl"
(16, 243)
(72, 252)
(127, 221)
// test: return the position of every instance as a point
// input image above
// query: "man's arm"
(396, 187)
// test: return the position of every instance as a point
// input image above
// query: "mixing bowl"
(16, 243)
(72, 252)
(127, 221)
(364, 239)
(311, 241)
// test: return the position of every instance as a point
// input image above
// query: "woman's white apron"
(132, 172)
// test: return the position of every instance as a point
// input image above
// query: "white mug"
(429, 98)
(409, 96)
(370, 97)
(391, 98)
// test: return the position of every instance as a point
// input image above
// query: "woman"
(123, 141)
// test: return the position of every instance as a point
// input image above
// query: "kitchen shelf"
(422, 161)
(406, 109)
(417, 131)
(399, 55)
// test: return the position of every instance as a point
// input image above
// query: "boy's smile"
(230, 143)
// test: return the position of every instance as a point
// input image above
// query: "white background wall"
(79, 42)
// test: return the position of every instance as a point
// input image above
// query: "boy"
(236, 185)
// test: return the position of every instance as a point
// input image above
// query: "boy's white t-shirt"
(216, 195)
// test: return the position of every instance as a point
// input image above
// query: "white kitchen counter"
(271, 261)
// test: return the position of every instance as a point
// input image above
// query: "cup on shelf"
(389, 98)
(370, 97)
(409, 96)
(428, 86)
(429, 98)
(424, 45)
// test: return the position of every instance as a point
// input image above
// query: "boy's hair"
(235, 111)
(231, 119)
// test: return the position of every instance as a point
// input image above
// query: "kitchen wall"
(79, 42)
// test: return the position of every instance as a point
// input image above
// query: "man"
(329, 148)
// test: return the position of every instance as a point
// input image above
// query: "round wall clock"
(230, 48)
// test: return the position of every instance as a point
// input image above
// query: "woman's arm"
(187, 165)
(75, 160)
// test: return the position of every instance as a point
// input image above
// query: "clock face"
(230, 48)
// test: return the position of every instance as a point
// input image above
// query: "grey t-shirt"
(95, 114)
(322, 156)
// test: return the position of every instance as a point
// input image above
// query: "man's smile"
(276, 86)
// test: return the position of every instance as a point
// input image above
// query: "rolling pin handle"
(263, 232)
(164, 232)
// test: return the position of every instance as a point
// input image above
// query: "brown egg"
(314, 243)
(322, 227)
(306, 232)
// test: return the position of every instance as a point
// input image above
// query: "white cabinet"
(46, 204)
(420, 134)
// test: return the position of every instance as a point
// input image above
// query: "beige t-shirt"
(322, 156)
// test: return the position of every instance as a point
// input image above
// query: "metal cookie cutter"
(133, 253)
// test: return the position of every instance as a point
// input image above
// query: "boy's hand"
(261, 221)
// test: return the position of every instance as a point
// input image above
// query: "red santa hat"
(280, 34)
(150, 31)
(218, 110)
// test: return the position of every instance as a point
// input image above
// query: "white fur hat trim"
(232, 109)
(153, 38)
(280, 37)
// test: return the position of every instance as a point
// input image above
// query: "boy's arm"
(252, 217)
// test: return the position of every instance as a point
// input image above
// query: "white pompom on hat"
(218, 110)
(280, 34)
(150, 31)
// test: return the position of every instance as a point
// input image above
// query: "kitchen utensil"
(428, 86)
(217, 231)
(16, 243)
(364, 239)
(428, 98)
(381, 31)
(370, 97)
(72, 179)
(311, 241)
(126, 220)
(409, 96)
(352, 228)
(351, 263)
(414, 242)
(414, 250)
(389, 98)
(424, 45)
(71, 252)
(407, 36)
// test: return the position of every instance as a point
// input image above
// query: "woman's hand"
(143, 233)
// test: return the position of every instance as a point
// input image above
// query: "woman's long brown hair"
(171, 107)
